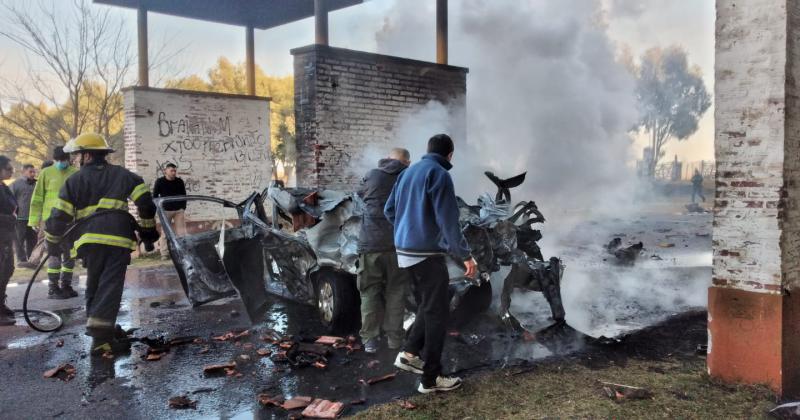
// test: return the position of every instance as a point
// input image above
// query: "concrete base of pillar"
(755, 338)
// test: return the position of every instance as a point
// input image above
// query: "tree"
(227, 77)
(672, 98)
(87, 57)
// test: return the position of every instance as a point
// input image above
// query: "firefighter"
(105, 241)
(45, 195)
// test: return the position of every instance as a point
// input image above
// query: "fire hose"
(60, 322)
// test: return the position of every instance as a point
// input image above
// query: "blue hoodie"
(423, 209)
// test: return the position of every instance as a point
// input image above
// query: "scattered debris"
(613, 245)
(786, 411)
(655, 257)
(178, 341)
(267, 401)
(329, 340)
(702, 349)
(297, 402)
(375, 380)
(182, 402)
(65, 372)
(155, 304)
(244, 357)
(319, 365)
(203, 390)
(619, 392)
(234, 313)
(663, 230)
(702, 235)
(232, 336)
(407, 405)
(323, 409)
(216, 369)
(60, 342)
(263, 352)
(372, 363)
(204, 350)
(152, 357)
(666, 245)
(627, 256)
(357, 402)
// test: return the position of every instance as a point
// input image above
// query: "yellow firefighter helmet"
(87, 142)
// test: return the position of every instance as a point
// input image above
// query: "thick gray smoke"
(544, 95)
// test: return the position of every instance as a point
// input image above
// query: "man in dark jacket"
(8, 218)
(697, 186)
(381, 283)
(22, 189)
(423, 209)
(170, 185)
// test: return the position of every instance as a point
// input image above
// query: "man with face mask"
(45, 196)
(22, 189)
(98, 196)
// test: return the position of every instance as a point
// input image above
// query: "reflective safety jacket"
(45, 193)
(98, 187)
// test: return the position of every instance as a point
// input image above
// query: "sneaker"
(409, 363)
(371, 345)
(442, 384)
(68, 291)
(5, 310)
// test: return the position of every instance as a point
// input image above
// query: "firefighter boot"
(107, 340)
(4, 309)
(6, 315)
(552, 289)
(67, 290)
(54, 292)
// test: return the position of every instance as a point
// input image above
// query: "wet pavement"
(601, 300)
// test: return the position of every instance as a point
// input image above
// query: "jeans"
(178, 222)
(430, 284)
(25, 240)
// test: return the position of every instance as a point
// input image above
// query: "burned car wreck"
(305, 249)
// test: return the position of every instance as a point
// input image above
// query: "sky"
(633, 24)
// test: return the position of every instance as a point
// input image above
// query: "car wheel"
(338, 302)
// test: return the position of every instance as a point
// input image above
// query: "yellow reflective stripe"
(104, 203)
(147, 223)
(102, 239)
(139, 191)
(52, 238)
(64, 206)
(97, 322)
(66, 270)
(53, 270)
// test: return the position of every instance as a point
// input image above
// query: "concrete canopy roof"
(260, 14)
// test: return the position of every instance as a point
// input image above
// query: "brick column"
(754, 302)
(348, 100)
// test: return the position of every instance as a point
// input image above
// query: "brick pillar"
(754, 302)
(346, 101)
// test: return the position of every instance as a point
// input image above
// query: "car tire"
(338, 301)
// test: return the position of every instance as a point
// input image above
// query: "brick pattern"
(219, 142)
(753, 136)
(346, 100)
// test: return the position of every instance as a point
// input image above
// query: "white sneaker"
(443, 383)
(410, 364)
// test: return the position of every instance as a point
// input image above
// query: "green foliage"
(672, 98)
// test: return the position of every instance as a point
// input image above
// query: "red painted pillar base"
(755, 338)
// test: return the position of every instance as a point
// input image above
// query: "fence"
(664, 171)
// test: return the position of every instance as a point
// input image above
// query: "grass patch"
(681, 389)
(151, 260)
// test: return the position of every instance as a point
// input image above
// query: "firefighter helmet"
(87, 142)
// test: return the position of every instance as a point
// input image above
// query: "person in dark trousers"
(60, 266)
(8, 219)
(697, 186)
(167, 186)
(423, 209)
(22, 189)
(381, 283)
(105, 241)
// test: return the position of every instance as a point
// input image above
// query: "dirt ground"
(661, 359)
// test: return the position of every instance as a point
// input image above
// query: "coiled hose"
(60, 322)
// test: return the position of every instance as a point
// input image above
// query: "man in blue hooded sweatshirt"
(423, 209)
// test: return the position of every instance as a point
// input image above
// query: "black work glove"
(148, 237)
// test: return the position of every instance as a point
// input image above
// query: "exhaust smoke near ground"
(546, 95)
